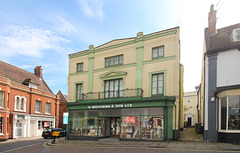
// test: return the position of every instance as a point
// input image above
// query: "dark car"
(47, 133)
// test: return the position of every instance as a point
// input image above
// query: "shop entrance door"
(115, 126)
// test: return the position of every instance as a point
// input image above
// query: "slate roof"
(222, 39)
(21, 76)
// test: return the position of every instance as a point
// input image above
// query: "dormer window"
(30, 83)
(32, 86)
(236, 35)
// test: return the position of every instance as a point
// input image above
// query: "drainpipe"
(180, 86)
(175, 118)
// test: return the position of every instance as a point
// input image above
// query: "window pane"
(38, 106)
(22, 104)
(116, 60)
(152, 127)
(107, 61)
(121, 59)
(111, 89)
(90, 126)
(155, 54)
(223, 113)
(130, 127)
(121, 88)
(154, 84)
(48, 108)
(161, 51)
(79, 91)
(106, 89)
(111, 61)
(116, 88)
(234, 113)
(81, 67)
(17, 103)
(1, 99)
(160, 90)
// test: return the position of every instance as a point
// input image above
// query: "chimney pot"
(38, 71)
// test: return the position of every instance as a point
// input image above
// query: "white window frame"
(156, 86)
(36, 111)
(32, 86)
(2, 99)
(236, 35)
(22, 102)
(220, 116)
(49, 104)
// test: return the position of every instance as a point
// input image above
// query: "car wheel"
(45, 137)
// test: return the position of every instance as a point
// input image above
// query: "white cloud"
(92, 8)
(27, 41)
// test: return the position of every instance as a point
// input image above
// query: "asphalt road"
(40, 146)
(12, 145)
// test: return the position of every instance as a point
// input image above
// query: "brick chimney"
(38, 71)
(212, 20)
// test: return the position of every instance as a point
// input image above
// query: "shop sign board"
(65, 118)
(110, 106)
(130, 119)
(45, 124)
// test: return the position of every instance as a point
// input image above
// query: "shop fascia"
(110, 106)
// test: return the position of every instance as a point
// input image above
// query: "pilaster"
(139, 63)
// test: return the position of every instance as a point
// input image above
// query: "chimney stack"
(212, 20)
(38, 71)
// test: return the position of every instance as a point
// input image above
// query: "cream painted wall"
(190, 105)
(129, 55)
(170, 66)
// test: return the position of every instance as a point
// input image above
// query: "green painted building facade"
(127, 88)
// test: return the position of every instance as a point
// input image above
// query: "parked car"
(49, 131)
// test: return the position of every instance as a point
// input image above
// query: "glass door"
(115, 126)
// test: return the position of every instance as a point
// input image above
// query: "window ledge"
(38, 112)
(113, 65)
(1, 134)
(229, 131)
(2, 107)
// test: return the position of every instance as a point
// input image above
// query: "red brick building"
(27, 104)
(62, 108)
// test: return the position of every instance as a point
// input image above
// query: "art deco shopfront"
(133, 118)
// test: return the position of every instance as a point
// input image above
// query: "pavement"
(178, 145)
(189, 134)
(20, 139)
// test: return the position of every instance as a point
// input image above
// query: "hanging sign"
(65, 118)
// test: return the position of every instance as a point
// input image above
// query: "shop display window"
(151, 127)
(76, 125)
(89, 126)
(101, 127)
(130, 127)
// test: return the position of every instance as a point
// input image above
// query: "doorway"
(189, 121)
(115, 126)
(18, 129)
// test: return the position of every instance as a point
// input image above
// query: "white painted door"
(18, 130)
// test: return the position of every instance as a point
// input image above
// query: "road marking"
(94, 147)
(22, 147)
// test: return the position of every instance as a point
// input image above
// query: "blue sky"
(45, 32)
